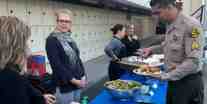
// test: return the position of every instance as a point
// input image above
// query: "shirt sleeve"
(154, 48)
(64, 74)
(193, 44)
(112, 50)
(137, 44)
(36, 97)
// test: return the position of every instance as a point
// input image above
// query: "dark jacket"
(15, 89)
(117, 48)
(60, 64)
(131, 45)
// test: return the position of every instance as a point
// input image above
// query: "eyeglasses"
(64, 21)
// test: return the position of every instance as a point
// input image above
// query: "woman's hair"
(63, 11)
(128, 28)
(163, 3)
(13, 40)
(116, 28)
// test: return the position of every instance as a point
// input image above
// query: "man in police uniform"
(183, 52)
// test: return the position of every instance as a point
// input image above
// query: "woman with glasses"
(64, 57)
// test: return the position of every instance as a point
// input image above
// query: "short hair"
(163, 3)
(63, 11)
(14, 35)
(116, 28)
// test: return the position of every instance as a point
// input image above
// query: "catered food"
(123, 84)
(122, 89)
(133, 62)
(147, 70)
(154, 60)
(133, 59)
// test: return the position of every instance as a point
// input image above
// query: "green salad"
(123, 84)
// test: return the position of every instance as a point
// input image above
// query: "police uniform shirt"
(182, 48)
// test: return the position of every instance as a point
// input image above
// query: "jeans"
(67, 98)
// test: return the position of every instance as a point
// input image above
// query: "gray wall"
(90, 25)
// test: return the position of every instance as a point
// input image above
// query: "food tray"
(147, 74)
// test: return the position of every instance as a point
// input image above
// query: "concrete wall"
(145, 26)
(187, 7)
(196, 4)
(90, 25)
(190, 6)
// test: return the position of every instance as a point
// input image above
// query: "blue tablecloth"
(159, 96)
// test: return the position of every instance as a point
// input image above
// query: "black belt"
(189, 77)
(198, 74)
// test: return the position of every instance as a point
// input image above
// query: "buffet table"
(159, 96)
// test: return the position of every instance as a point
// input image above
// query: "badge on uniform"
(195, 33)
(195, 45)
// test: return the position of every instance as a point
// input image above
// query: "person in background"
(15, 88)
(131, 41)
(183, 50)
(116, 50)
(64, 57)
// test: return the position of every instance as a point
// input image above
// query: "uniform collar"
(174, 25)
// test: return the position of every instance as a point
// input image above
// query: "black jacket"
(116, 47)
(62, 71)
(15, 89)
(131, 46)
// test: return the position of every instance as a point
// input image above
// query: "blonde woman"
(131, 41)
(64, 57)
(14, 88)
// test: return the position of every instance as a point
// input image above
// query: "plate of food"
(147, 70)
(122, 84)
(132, 59)
(122, 89)
(158, 56)
(156, 64)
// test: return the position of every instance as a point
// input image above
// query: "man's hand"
(162, 76)
(157, 76)
(145, 52)
(172, 66)
(49, 99)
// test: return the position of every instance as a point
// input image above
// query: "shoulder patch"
(195, 33)
(195, 45)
